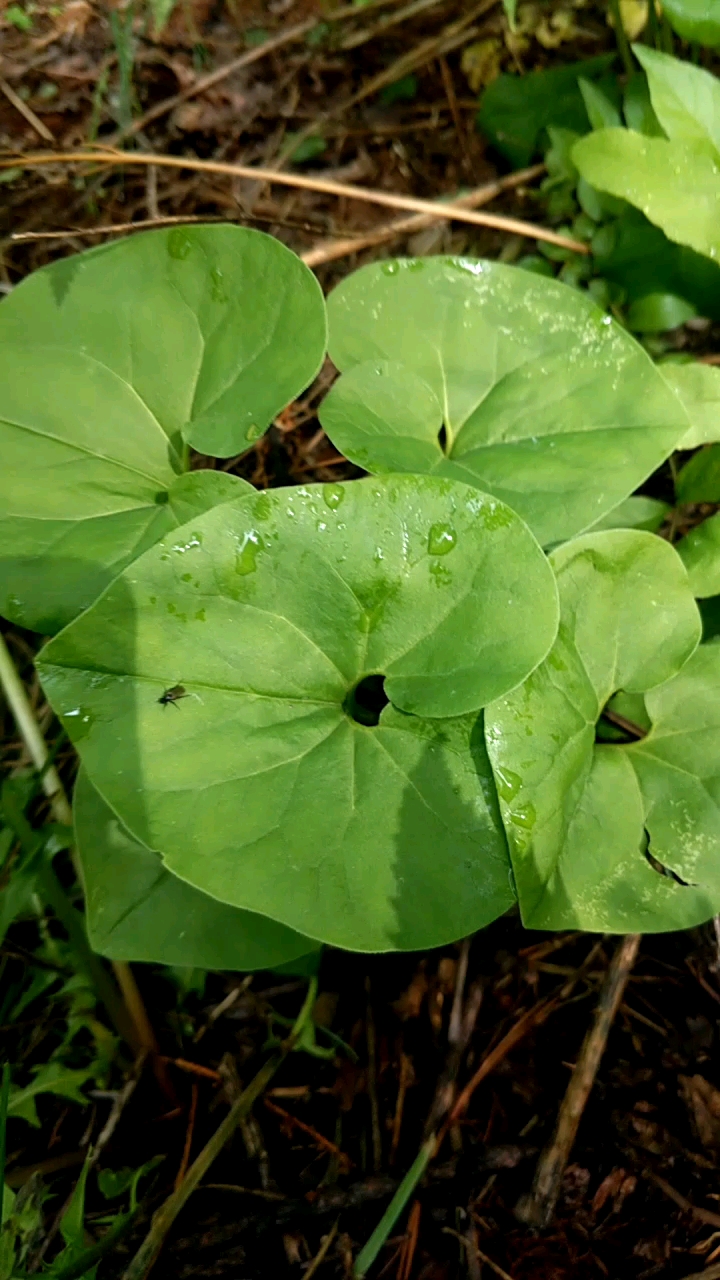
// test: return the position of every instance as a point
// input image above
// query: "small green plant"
(372, 713)
(657, 173)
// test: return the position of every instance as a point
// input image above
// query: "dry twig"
(322, 1251)
(330, 250)
(513, 226)
(26, 111)
(538, 1207)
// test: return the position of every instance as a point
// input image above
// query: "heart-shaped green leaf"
(699, 551)
(135, 909)
(111, 362)
(656, 176)
(503, 379)
(285, 782)
(575, 810)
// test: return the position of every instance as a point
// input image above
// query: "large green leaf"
(277, 784)
(135, 909)
(542, 399)
(576, 812)
(698, 386)
(699, 551)
(111, 363)
(685, 99)
(656, 176)
(695, 20)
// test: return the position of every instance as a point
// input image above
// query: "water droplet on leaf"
(217, 287)
(246, 559)
(333, 495)
(441, 539)
(508, 783)
(179, 244)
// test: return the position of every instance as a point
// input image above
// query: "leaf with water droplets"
(137, 910)
(490, 375)
(109, 362)
(325, 766)
(588, 818)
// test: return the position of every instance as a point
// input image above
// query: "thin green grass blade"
(367, 1256)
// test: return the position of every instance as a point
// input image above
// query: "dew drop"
(217, 287)
(524, 817)
(441, 539)
(333, 495)
(262, 507)
(508, 783)
(246, 559)
(390, 268)
(179, 244)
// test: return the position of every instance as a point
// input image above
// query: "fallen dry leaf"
(703, 1102)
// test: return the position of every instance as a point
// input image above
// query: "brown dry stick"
(538, 1207)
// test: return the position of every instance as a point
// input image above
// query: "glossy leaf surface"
(541, 398)
(135, 909)
(109, 362)
(273, 785)
(579, 813)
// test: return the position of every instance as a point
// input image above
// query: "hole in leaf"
(442, 438)
(659, 867)
(365, 702)
(612, 727)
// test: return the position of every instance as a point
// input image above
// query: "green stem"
(37, 747)
(621, 37)
(168, 1212)
(369, 1253)
(653, 30)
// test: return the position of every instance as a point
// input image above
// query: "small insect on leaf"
(173, 695)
